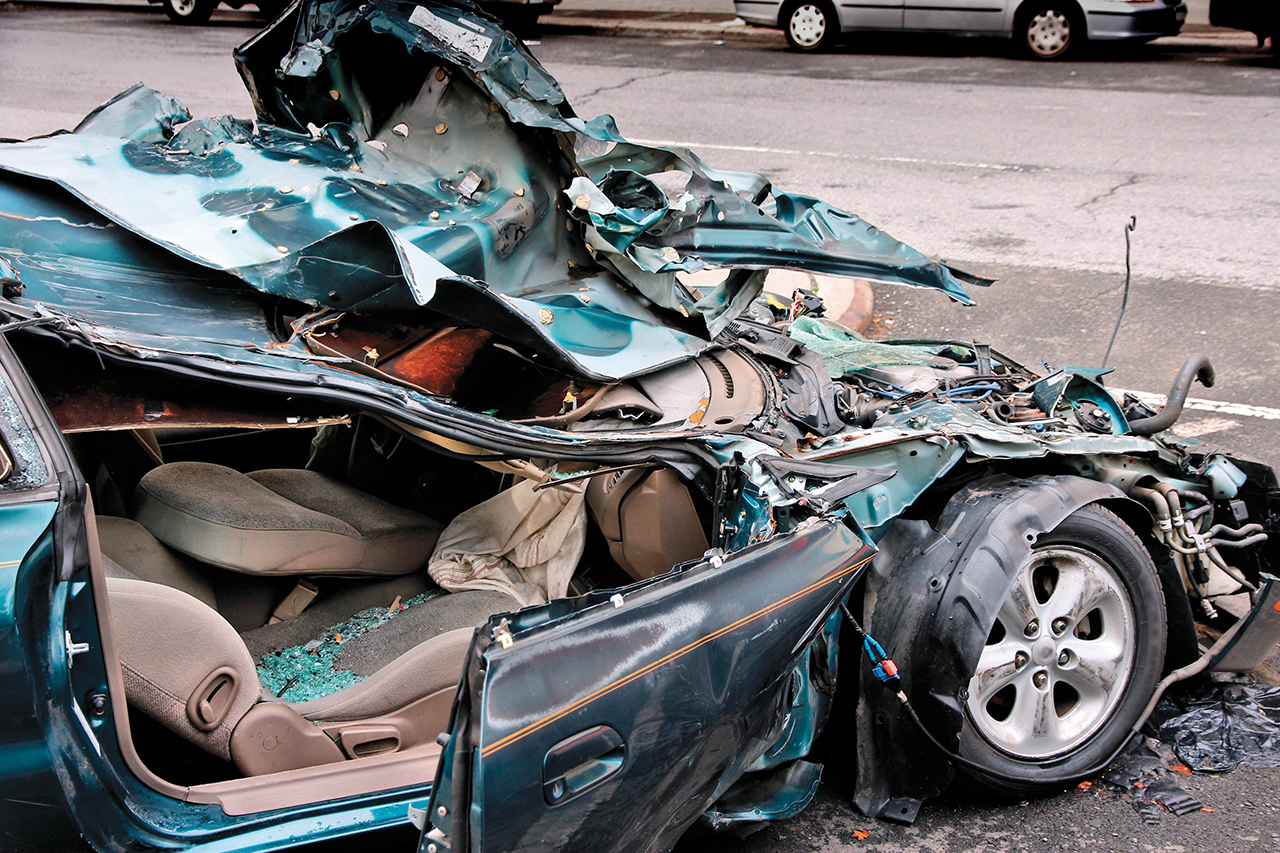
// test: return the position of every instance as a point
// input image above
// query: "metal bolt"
(1059, 625)
(1040, 680)
(1020, 660)
(442, 811)
(1033, 627)
(99, 703)
(1064, 659)
(431, 848)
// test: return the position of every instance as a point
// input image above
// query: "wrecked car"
(392, 456)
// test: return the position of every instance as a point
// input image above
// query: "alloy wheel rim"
(1048, 32)
(808, 25)
(1058, 659)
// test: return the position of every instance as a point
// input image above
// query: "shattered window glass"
(27, 469)
(312, 670)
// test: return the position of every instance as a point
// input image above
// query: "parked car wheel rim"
(1059, 658)
(184, 8)
(1049, 32)
(808, 25)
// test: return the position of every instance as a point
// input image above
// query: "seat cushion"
(280, 522)
(396, 540)
(304, 667)
(433, 665)
(222, 517)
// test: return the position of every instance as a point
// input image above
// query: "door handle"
(581, 762)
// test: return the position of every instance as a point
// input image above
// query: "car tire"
(810, 25)
(1073, 659)
(194, 12)
(1049, 31)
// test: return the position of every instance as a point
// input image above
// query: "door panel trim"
(499, 745)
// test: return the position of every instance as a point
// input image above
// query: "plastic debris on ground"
(844, 351)
(1215, 727)
(1145, 776)
(1202, 727)
(309, 671)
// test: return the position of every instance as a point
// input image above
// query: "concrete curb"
(672, 27)
(848, 301)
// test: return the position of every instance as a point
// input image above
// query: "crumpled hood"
(412, 160)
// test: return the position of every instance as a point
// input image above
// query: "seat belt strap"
(303, 593)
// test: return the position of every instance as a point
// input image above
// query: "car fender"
(931, 600)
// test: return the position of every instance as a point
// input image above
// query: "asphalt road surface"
(1023, 172)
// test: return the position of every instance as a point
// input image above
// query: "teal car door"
(30, 793)
(611, 722)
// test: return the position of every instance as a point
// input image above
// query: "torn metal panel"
(403, 147)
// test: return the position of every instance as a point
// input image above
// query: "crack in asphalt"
(625, 83)
(1132, 179)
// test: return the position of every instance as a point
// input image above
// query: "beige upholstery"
(128, 543)
(426, 668)
(169, 644)
(396, 540)
(280, 522)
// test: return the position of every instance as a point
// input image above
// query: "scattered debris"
(310, 671)
(1200, 728)
(1143, 776)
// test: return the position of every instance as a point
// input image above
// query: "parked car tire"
(1052, 30)
(810, 25)
(1073, 659)
(189, 11)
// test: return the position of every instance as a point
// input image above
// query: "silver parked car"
(1043, 29)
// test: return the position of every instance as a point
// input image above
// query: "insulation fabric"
(845, 351)
(524, 541)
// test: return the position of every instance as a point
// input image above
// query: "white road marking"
(1197, 427)
(1197, 404)
(756, 149)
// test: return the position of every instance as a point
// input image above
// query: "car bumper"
(1141, 24)
(761, 12)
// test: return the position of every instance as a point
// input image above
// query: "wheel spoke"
(1019, 607)
(1076, 594)
(996, 669)
(1033, 718)
(1098, 664)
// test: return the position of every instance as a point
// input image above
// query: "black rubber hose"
(1195, 367)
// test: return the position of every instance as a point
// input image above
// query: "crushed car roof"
(409, 161)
